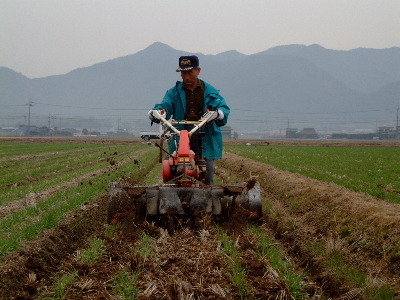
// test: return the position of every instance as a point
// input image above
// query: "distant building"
(291, 133)
(8, 131)
(355, 136)
(386, 133)
(24, 130)
(382, 133)
(306, 133)
(32, 130)
(227, 132)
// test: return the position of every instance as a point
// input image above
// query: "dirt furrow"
(42, 258)
(184, 264)
(110, 159)
(313, 221)
(43, 156)
(320, 222)
(34, 198)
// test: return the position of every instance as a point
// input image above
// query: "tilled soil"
(306, 215)
(302, 214)
(34, 198)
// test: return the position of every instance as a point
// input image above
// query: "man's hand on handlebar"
(220, 114)
(154, 115)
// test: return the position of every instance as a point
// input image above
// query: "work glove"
(220, 114)
(153, 118)
(210, 116)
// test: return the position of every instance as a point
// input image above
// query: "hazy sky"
(47, 37)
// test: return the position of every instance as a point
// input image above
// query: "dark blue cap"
(187, 63)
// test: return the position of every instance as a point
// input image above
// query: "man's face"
(190, 77)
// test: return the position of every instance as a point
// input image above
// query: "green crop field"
(372, 170)
(41, 183)
(56, 243)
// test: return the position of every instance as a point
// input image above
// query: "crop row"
(230, 254)
(328, 227)
(34, 169)
(372, 170)
(21, 182)
(12, 150)
(29, 219)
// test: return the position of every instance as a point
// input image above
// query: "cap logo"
(185, 62)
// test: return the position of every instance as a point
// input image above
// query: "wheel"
(166, 171)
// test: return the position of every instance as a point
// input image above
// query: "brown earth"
(34, 198)
(327, 143)
(311, 220)
(117, 140)
(73, 140)
(306, 215)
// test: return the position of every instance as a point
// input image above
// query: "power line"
(242, 110)
(88, 107)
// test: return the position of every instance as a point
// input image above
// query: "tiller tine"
(143, 201)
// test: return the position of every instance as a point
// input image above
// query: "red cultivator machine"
(183, 191)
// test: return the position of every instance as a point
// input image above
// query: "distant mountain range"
(285, 86)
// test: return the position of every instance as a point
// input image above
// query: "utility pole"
(30, 103)
(119, 119)
(397, 124)
(49, 130)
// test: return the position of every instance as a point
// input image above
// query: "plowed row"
(309, 222)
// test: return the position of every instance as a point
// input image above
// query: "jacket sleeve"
(218, 102)
(167, 103)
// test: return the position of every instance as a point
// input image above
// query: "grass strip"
(125, 281)
(35, 169)
(61, 285)
(38, 186)
(29, 222)
(145, 246)
(125, 285)
(18, 216)
(372, 288)
(372, 170)
(42, 185)
(334, 262)
(89, 256)
(93, 253)
(267, 248)
(48, 157)
(154, 176)
(112, 230)
(14, 150)
(237, 273)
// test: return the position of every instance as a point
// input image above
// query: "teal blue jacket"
(174, 103)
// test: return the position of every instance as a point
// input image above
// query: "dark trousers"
(197, 146)
(210, 172)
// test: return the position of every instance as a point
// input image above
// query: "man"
(188, 100)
